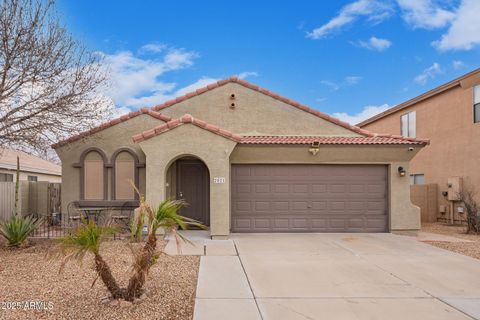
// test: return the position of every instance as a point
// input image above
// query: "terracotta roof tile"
(268, 93)
(185, 119)
(376, 140)
(111, 123)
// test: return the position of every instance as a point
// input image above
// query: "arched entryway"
(188, 178)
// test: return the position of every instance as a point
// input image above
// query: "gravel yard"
(471, 249)
(26, 275)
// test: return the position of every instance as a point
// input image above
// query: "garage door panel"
(316, 198)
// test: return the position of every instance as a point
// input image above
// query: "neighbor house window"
(124, 176)
(417, 179)
(93, 176)
(6, 177)
(32, 178)
(476, 103)
(408, 125)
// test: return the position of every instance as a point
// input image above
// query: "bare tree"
(49, 83)
(468, 196)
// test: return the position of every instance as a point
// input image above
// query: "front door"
(193, 187)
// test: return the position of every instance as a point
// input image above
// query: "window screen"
(476, 103)
(6, 177)
(94, 183)
(408, 125)
(417, 179)
(124, 175)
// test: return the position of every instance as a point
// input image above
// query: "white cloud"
(246, 74)
(347, 81)
(429, 73)
(426, 14)
(135, 80)
(351, 80)
(152, 48)
(464, 32)
(376, 44)
(458, 64)
(367, 112)
(332, 85)
(375, 11)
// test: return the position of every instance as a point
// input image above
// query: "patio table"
(92, 213)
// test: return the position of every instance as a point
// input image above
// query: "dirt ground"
(27, 276)
(471, 249)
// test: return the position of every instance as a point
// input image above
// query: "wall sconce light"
(314, 148)
(401, 171)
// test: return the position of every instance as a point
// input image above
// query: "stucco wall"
(109, 140)
(447, 120)
(254, 113)
(403, 214)
(188, 140)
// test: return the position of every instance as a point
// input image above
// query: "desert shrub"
(17, 229)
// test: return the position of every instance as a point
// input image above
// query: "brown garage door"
(309, 198)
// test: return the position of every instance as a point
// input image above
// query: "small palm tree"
(88, 237)
(17, 229)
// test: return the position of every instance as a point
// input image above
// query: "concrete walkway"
(335, 276)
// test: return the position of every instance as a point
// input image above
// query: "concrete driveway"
(335, 276)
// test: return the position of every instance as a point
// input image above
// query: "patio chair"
(122, 218)
(75, 215)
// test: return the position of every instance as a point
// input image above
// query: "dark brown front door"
(193, 187)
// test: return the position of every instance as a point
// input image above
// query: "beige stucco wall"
(254, 113)
(109, 140)
(403, 214)
(447, 120)
(189, 140)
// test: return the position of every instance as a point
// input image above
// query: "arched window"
(125, 172)
(124, 176)
(94, 176)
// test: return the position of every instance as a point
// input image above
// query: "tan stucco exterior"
(254, 114)
(446, 119)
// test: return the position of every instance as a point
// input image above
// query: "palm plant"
(88, 237)
(17, 229)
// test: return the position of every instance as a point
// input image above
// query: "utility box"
(454, 185)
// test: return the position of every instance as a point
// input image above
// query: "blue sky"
(350, 59)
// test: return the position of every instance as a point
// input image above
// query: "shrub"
(17, 229)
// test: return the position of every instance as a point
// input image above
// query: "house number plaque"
(219, 180)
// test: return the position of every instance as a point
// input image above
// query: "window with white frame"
(417, 179)
(408, 126)
(476, 104)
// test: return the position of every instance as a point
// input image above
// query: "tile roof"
(181, 121)
(28, 162)
(266, 92)
(375, 140)
(111, 123)
(187, 118)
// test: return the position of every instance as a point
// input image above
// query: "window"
(32, 178)
(408, 125)
(93, 176)
(417, 179)
(6, 177)
(476, 104)
(124, 176)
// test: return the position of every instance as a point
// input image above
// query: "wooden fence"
(7, 199)
(425, 197)
(39, 199)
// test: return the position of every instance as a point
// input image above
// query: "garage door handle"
(309, 206)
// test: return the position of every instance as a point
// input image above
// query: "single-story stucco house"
(246, 160)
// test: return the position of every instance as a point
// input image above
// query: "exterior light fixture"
(314, 147)
(401, 171)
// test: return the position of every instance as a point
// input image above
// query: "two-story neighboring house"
(449, 116)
